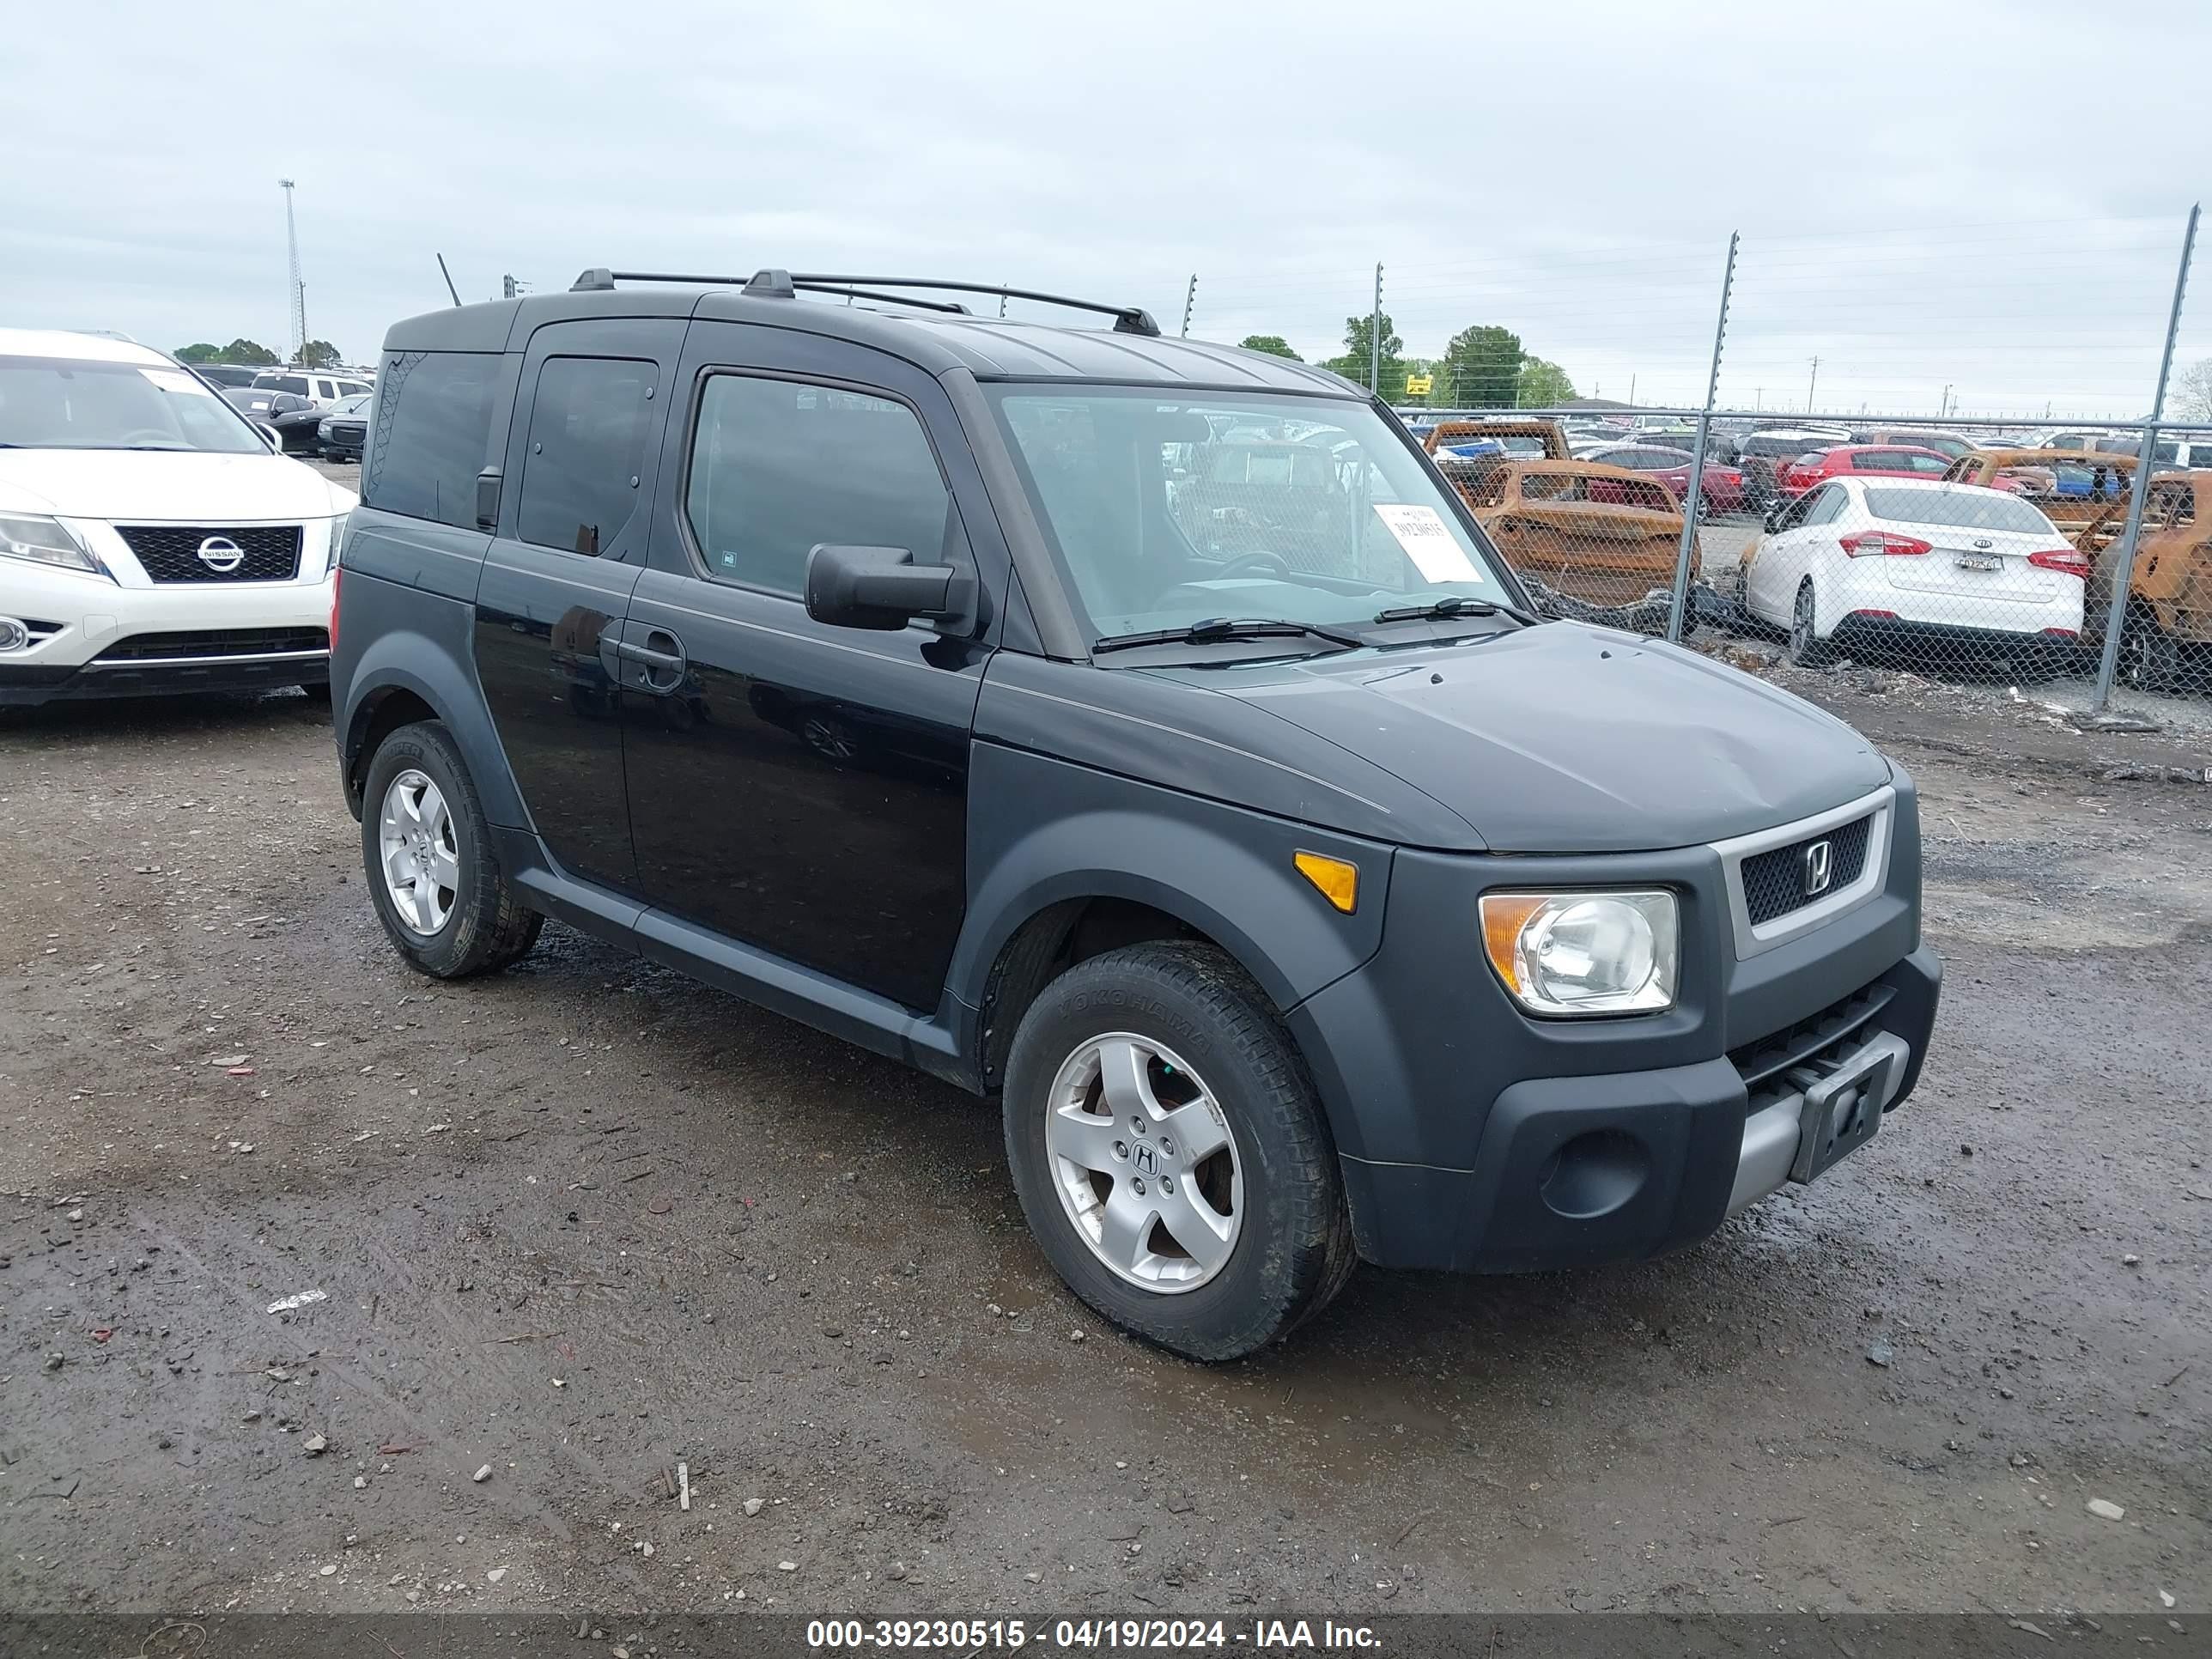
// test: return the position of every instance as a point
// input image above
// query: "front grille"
(171, 553)
(1774, 881)
(347, 432)
(1799, 1043)
(216, 642)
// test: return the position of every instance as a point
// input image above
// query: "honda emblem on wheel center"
(221, 555)
(1819, 859)
(1144, 1160)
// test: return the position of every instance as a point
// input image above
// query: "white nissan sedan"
(1869, 565)
(150, 542)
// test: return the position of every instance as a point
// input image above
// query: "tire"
(1805, 649)
(2150, 658)
(1200, 1031)
(470, 922)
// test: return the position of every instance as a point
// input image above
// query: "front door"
(580, 467)
(799, 788)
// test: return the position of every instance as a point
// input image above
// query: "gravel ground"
(569, 1228)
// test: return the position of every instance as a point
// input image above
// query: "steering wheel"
(1272, 563)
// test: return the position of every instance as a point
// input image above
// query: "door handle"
(660, 660)
(669, 660)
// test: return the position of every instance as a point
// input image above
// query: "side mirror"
(881, 587)
(270, 436)
(1773, 520)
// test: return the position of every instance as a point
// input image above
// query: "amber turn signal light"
(1336, 881)
(1503, 916)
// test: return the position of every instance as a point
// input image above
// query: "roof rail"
(770, 283)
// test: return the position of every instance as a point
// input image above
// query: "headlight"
(1584, 953)
(45, 541)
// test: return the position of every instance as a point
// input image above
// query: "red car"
(1723, 485)
(1859, 461)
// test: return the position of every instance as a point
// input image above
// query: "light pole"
(297, 296)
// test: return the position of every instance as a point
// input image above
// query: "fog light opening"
(1594, 1174)
(13, 634)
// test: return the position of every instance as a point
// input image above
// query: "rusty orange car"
(2169, 610)
(1601, 534)
(1522, 440)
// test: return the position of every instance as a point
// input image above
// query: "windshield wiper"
(1229, 627)
(1457, 605)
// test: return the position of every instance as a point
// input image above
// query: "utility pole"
(1943, 408)
(1375, 337)
(506, 287)
(1693, 499)
(2122, 555)
(1810, 384)
(1631, 391)
(300, 355)
(295, 294)
(1189, 299)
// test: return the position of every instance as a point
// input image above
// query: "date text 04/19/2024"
(1087, 1635)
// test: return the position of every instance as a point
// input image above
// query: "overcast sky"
(1989, 197)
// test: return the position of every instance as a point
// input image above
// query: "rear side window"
(590, 420)
(779, 466)
(433, 429)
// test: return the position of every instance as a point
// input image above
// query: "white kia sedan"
(150, 541)
(1910, 566)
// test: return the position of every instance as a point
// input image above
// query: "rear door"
(800, 788)
(1778, 560)
(581, 462)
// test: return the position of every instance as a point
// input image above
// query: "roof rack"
(775, 284)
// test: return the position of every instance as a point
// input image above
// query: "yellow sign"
(1417, 385)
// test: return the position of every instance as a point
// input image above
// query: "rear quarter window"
(433, 434)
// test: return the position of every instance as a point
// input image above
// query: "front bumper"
(1474, 1138)
(103, 632)
(1581, 1169)
(28, 687)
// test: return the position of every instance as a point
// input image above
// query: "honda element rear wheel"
(427, 850)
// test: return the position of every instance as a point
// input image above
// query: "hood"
(1566, 738)
(183, 487)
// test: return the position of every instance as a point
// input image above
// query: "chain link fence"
(1969, 552)
(2047, 548)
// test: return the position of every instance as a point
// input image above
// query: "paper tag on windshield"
(176, 380)
(1428, 542)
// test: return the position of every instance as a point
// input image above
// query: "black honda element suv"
(1137, 732)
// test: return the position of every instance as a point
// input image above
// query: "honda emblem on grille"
(1818, 863)
(221, 555)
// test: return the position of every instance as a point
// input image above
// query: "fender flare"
(1241, 891)
(403, 660)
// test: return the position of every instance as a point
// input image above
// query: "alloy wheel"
(1144, 1163)
(421, 860)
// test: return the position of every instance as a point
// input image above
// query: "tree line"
(251, 354)
(1484, 366)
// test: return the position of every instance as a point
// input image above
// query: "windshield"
(1958, 509)
(1167, 511)
(68, 402)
